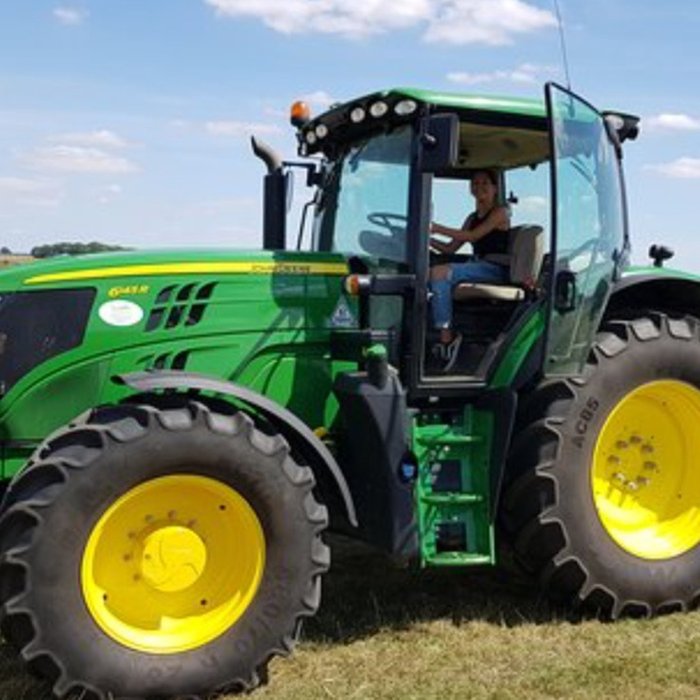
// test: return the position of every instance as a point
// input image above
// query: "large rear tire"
(149, 553)
(604, 500)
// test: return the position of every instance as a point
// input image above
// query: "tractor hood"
(69, 324)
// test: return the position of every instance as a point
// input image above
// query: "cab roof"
(340, 123)
(491, 103)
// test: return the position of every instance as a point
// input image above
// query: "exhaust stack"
(274, 197)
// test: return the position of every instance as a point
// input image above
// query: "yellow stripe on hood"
(194, 268)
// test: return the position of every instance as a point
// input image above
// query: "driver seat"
(525, 256)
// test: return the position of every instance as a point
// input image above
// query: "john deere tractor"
(178, 429)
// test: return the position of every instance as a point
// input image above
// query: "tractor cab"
(393, 162)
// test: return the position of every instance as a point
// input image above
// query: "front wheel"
(605, 507)
(151, 553)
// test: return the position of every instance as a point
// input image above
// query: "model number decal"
(125, 290)
(584, 419)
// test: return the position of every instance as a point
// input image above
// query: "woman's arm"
(499, 218)
(452, 247)
(455, 244)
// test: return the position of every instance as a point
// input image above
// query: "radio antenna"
(562, 41)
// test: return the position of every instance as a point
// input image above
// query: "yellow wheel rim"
(646, 470)
(173, 564)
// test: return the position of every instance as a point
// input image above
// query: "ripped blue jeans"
(471, 271)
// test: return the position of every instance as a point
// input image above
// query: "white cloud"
(20, 185)
(684, 168)
(524, 73)
(109, 193)
(238, 129)
(97, 139)
(532, 204)
(77, 159)
(29, 191)
(672, 122)
(346, 17)
(70, 16)
(493, 22)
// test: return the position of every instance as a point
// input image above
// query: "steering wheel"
(389, 245)
(396, 223)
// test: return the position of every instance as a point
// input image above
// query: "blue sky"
(128, 121)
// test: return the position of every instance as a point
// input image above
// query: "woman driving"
(486, 229)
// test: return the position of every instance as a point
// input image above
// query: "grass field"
(385, 633)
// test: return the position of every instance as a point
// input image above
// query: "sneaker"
(451, 351)
(439, 351)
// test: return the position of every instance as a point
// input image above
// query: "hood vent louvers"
(177, 306)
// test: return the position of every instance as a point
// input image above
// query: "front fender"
(288, 424)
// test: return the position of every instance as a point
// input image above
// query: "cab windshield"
(363, 203)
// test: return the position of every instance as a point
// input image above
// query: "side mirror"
(440, 143)
(660, 253)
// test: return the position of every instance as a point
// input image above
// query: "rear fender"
(666, 293)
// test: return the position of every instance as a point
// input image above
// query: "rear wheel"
(605, 504)
(151, 553)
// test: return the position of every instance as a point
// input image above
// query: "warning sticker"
(342, 316)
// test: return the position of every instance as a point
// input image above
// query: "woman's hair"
(492, 175)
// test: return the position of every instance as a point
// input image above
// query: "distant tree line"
(48, 251)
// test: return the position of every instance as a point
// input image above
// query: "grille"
(36, 326)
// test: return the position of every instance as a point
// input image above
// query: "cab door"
(589, 222)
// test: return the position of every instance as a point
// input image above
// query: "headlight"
(379, 109)
(405, 107)
(357, 115)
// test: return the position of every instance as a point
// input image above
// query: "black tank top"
(494, 242)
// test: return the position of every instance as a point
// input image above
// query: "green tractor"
(179, 429)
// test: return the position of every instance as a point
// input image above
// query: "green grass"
(388, 633)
